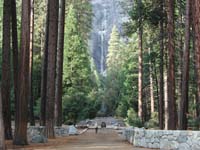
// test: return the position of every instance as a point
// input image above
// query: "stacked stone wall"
(163, 139)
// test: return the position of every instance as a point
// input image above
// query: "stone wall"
(36, 134)
(163, 139)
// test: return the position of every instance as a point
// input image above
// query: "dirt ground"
(105, 139)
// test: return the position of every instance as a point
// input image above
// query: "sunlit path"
(105, 140)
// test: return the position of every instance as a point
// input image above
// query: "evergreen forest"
(48, 75)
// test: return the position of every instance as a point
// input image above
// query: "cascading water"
(102, 52)
(102, 33)
(107, 13)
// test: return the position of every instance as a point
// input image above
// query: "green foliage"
(193, 123)
(114, 51)
(120, 83)
(122, 108)
(153, 122)
(84, 16)
(78, 79)
(132, 118)
(39, 24)
(77, 71)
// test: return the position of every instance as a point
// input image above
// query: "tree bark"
(44, 73)
(31, 100)
(196, 22)
(161, 81)
(20, 137)
(171, 70)
(166, 101)
(185, 79)
(6, 69)
(180, 60)
(140, 60)
(2, 140)
(51, 73)
(151, 85)
(195, 71)
(14, 48)
(59, 68)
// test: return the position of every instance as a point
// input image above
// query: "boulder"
(38, 139)
(73, 130)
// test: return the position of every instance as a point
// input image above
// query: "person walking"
(96, 128)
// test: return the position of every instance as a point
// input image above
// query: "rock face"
(107, 13)
(163, 139)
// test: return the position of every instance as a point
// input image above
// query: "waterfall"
(102, 33)
(107, 13)
(102, 52)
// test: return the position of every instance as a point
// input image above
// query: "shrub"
(132, 119)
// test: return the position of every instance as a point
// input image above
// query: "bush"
(132, 119)
(193, 123)
(153, 122)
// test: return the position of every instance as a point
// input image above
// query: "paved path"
(105, 140)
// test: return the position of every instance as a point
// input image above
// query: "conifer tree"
(76, 69)
(114, 50)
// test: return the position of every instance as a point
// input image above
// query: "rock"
(73, 130)
(183, 146)
(163, 139)
(195, 147)
(38, 139)
(61, 131)
(153, 145)
(182, 139)
(189, 142)
(168, 145)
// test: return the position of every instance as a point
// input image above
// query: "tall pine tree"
(76, 69)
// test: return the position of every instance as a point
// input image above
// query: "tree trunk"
(140, 60)
(44, 73)
(151, 85)
(185, 79)
(180, 69)
(51, 73)
(195, 71)
(171, 70)
(196, 22)
(59, 64)
(31, 100)
(20, 137)
(6, 69)
(166, 114)
(166, 117)
(14, 48)
(161, 81)
(155, 76)
(180, 60)
(2, 140)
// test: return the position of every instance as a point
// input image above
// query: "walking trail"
(105, 139)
